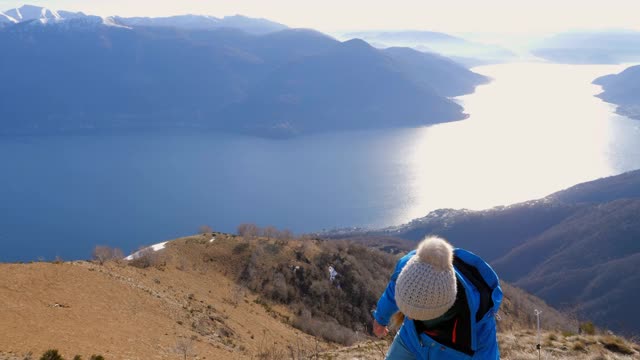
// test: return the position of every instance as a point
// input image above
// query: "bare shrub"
(328, 330)
(272, 353)
(205, 229)
(579, 346)
(241, 247)
(51, 355)
(279, 291)
(285, 235)
(248, 231)
(270, 232)
(184, 348)
(587, 328)
(102, 254)
(237, 294)
(146, 258)
(616, 345)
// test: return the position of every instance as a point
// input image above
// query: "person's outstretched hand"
(379, 330)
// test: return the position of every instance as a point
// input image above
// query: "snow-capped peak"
(37, 16)
(31, 12)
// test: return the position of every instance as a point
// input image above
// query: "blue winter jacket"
(483, 331)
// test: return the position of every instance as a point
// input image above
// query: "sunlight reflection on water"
(535, 129)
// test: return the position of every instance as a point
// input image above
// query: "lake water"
(534, 130)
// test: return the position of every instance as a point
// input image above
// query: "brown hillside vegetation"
(577, 248)
(218, 296)
(123, 312)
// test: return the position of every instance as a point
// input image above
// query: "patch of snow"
(332, 273)
(159, 246)
(111, 21)
(156, 247)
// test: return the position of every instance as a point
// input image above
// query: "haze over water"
(536, 129)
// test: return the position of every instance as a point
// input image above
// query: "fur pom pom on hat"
(426, 287)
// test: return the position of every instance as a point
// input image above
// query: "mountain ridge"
(44, 15)
(468, 52)
(220, 79)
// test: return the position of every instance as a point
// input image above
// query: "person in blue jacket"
(448, 298)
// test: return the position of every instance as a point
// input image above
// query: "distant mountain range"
(200, 22)
(466, 52)
(623, 90)
(43, 15)
(577, 249)
(591, 47)
(65, 72)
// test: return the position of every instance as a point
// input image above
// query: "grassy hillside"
(222, 296)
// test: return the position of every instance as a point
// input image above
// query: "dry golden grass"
(123, 312)
(522, 345)
(518, 345)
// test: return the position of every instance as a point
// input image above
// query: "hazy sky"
(515, 16)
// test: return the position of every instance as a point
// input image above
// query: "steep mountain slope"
(109, 77)
(591, 47)
(445, 76)
(588, 261)
(623, 90)
(351, 81)
(89, 73)
(575, 249)
(126, 313)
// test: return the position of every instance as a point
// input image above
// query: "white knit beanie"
(426, 287)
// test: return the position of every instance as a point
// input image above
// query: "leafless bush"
(102, 254)
(241, 247)
(146, 258)
(270, 232)
(248, 231)
(285, 235)
(328, 330)
(237, 294)
(184, 348)
(205, 229)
